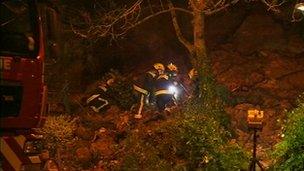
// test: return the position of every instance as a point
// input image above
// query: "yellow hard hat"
(192, 73)
(172, 67)
(110, 81)
(159, 66)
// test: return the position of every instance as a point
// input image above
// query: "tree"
(117, 19)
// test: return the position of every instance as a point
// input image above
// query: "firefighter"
(100, 100)
(144, 86)
(172, 70)
(193, 76)
(158, 68)
(163, 92)
(151, 75)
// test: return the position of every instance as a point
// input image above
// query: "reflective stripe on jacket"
(141, 90)
(163, 92)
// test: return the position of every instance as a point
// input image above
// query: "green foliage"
(189, 141)
(206, 140)
(58, 131)
(121, 91)
(289, 153)
(213, 96)
(195, 107)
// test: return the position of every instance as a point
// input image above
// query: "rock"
(56, 108)
(113, 110)
(285, 104)
(123, 123)
(51, 165)
(294, 80)
(104, 146)
(295, 44)
(269, 84)
(270, 113)
(92, 118)
(84, 133)
(276, 67)
(287, 94)
(100, 166)
(101, 133)
(45, 155)
(238, 115)
(242, 136)
(83, 154)
(259, 31)
(255, 78)
(270, 101)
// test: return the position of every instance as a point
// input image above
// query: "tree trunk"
(201, 61)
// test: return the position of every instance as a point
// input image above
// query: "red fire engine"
(26, 26)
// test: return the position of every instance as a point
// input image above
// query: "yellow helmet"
(159, 66)
(110, 81)
(172, 67)
(192, 73)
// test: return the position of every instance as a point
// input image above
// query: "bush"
(58, 131)
(289, 154)
(189, 141)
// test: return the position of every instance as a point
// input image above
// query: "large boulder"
(259, 31)
(295, 79)
(295, 44)
(84, 133)
(83, 154)
(104, 146)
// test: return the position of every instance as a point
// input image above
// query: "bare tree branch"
(219, 8)
(177, 29)
(118, 22)
(273, 5)
(152, 16)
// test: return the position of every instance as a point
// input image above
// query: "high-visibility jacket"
(162, 84)
(145, 83)
(162, 93)
(171, 74)
(99, 99)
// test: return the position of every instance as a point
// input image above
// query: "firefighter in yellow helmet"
(193, 76)
(144, 86)
(159, 67)
(171, 70)
(164, 96)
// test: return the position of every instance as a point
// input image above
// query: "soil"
(256, 57)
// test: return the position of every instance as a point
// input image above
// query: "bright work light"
(173, 90)
(300, 6)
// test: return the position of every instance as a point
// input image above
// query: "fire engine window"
(17, 29)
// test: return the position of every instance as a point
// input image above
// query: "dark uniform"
(99, 101)
(164, 96)
(144, 88)
(193, 75)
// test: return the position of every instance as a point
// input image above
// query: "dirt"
(262, 65)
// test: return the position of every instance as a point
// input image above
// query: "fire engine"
(27, 36)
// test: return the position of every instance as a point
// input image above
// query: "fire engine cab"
(26, 30)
